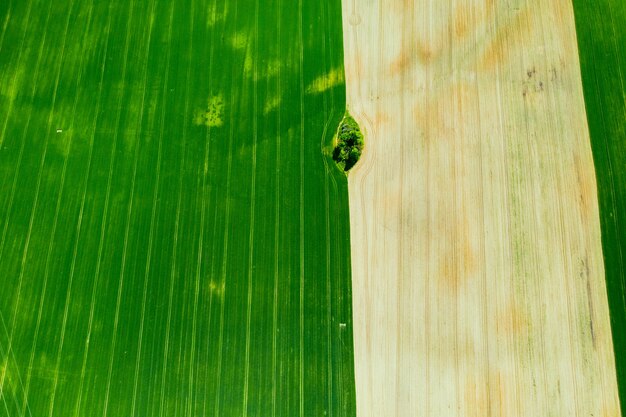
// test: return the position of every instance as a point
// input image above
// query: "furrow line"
(154, 202)
(211, 297)
(6, 24)
(204, 205)
(534, 201)
(215, 216)
(81, 213)
(177, 220)
(402, 240)
(327, 174)
(69, 287)
(106, 209)
(198, 273)
(210, 309)
(548, 114)
(328, 67)
(203, 208)
(31, 221)
(18, 65)
(302, 142)
(616, 217)
(619, 61)
(277, 220)
(329, 323)
(613, 200)
(54, 226)
(505, 204)
(483, 250)
(573, 350)
(220, 348)
(12, 194)
(27, 124)
(430, 243)
(4, 369)
(252, 208)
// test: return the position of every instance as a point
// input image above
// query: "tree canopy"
(349, 143)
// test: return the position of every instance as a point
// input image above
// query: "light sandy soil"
(478, 277)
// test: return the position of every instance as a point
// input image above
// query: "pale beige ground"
(478, 277)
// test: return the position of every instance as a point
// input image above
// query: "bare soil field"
(478, 277)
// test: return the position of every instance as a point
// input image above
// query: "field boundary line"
(611, 191)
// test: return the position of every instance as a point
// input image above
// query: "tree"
(349, 143)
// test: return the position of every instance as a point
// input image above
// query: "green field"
(173, 240)
(601, 28)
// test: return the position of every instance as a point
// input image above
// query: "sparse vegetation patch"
(212, 116)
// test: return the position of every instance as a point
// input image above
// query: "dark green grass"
(601, 28)
(151, 266)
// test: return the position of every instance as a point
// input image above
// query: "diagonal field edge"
(601, 32)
